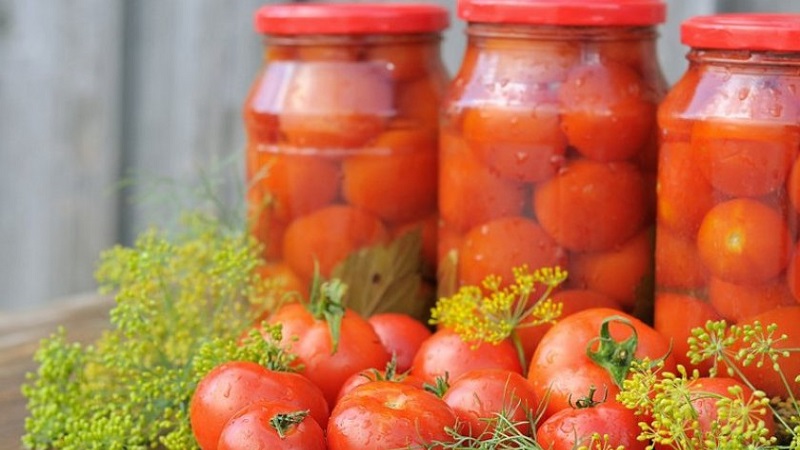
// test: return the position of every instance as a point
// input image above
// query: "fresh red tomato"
(385, 415)
(445, 353)
(401, 335)
(705, 394)
(272, 425)
(231, 386)
(358, 348)
(572, 301)
(561, 369)
(371, 375)
(572, 428)
(478, 396)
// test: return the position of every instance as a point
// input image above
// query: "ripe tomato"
(573, 428)
(678, 265)
(372, 375)
(744, 158)
(328, 236)
(417, 100)
(572, 301)
(675, 317)
(737, 302)
(231, 386)
(469, 193)
(401, 335)
(705, 394)
(285, 178)
(404, 61)
(496, 247)
(567, 206)
(398, 182)
(282, 279)
(684, 194)
(744, 241)
(764, 377)
(618, 273)
(561, 369)
(272, 425)
(531, 147)
(480, 395)
(349, 105)
(384, 415)
(359, 347)
(446, 353)
(608, 112)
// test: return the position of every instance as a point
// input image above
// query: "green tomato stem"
(614, 356)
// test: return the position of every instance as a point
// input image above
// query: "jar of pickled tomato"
(548, 148)
(342, 146)
(729, 177)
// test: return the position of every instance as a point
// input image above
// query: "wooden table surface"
(84, 318)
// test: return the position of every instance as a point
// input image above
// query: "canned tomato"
(342, 145)
(548, 147)
(728, 179)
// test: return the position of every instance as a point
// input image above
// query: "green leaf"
(386, 278)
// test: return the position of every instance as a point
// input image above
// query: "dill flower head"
(490, 312)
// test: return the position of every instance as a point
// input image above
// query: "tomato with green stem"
(272, 425)
(479, 396)
(594, 347)
(591, 424)
(333, 342)
(232, 386)
(390, 373)
(445, 352)
(383, 415)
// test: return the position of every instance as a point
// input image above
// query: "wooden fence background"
(93, 92)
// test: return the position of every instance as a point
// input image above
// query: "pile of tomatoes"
(388, 381)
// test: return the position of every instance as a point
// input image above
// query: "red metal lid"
(750, 31)
(564, 12)
(350, 18)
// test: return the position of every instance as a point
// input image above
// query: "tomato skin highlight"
(250, 428)
(446, 353)
(384, 415)
(231, 386)
(560, 364)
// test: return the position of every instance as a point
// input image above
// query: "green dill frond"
(182, 306)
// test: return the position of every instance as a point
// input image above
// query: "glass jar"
(548, 148)
(728, 180)
(342, 148)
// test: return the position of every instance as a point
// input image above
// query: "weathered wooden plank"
(59, 133)
(190, 64)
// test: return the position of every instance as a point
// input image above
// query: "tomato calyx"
(440, 386)
(325, 303)
(588, 401)
(283, 422)
(614, 356)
